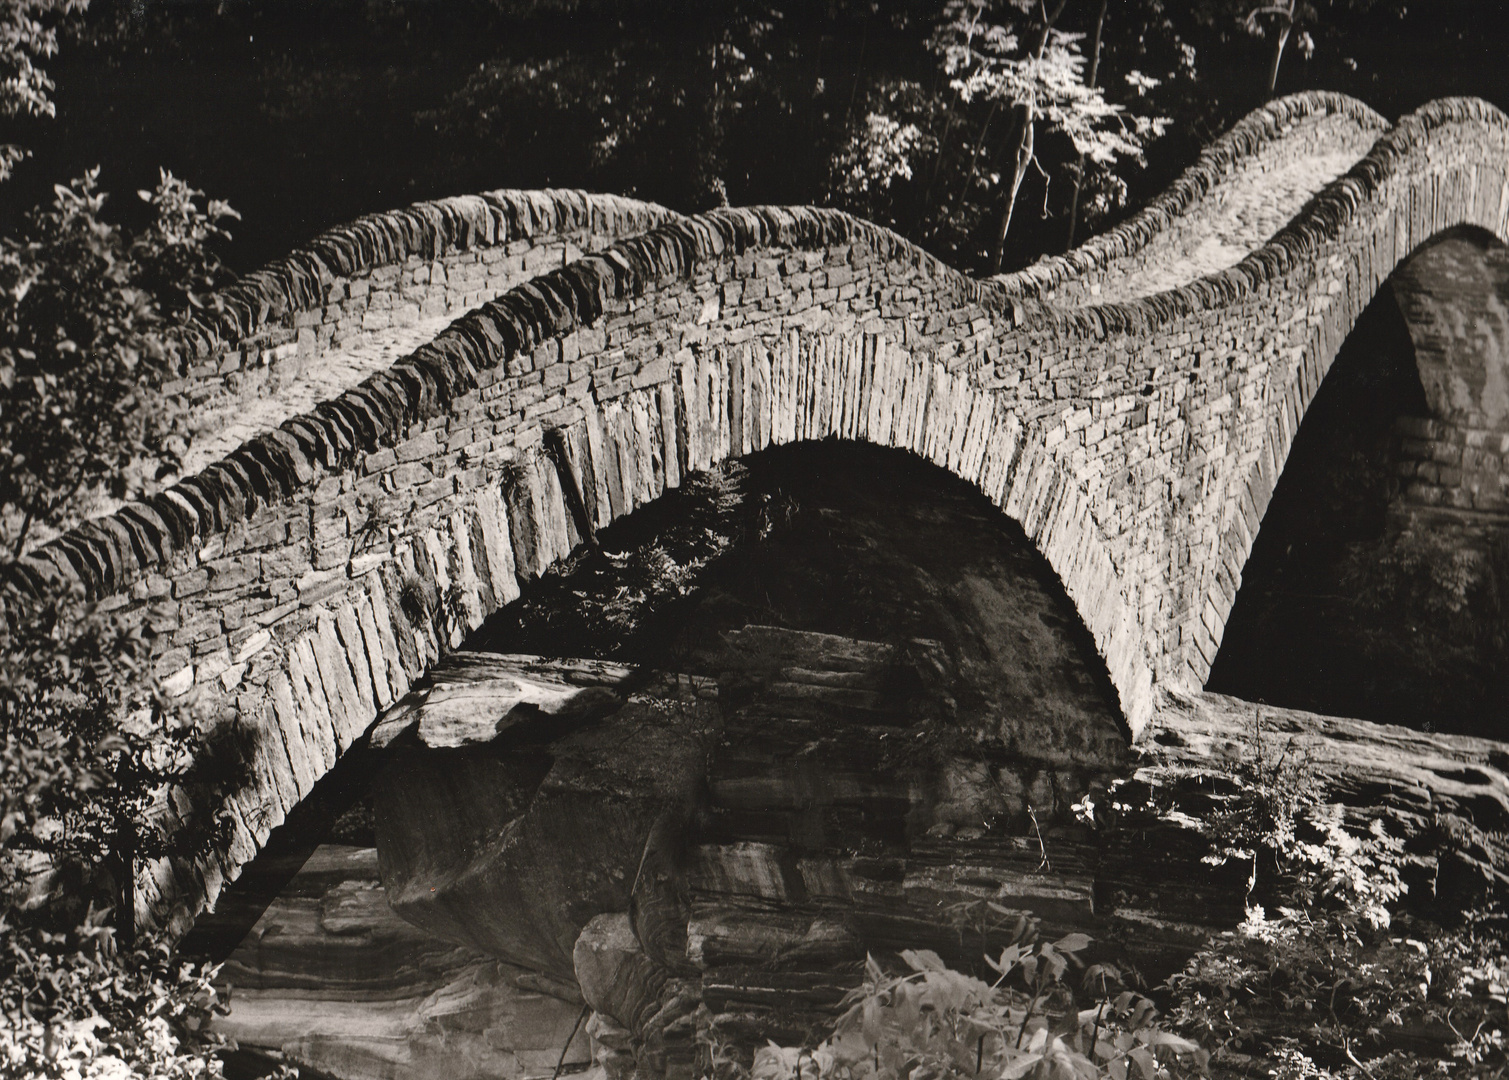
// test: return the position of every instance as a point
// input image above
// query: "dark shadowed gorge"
(832, 538)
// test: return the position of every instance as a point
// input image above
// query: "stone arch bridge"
(445, 401)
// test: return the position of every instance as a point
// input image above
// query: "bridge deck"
(1237, 221)
(1263, 193)
(227, 423)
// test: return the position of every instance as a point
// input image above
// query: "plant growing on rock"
(1330, 976)
(932, 1021)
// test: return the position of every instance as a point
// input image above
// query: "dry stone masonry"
(308, 578)
(1246, 186)
(363, 295)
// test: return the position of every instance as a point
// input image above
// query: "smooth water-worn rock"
(331, 979)
(514, 839)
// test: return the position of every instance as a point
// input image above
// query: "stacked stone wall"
(354, 283)
(311, 577)
(1451, 473)
(1167, 230)
(306, 581)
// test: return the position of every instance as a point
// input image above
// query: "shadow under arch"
(1378, 586)
(905, 696)
(844, 538)
(823, 537)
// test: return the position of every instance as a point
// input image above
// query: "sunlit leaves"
(86, 316)
(987, 62)
(28, 32)
(72, 1006)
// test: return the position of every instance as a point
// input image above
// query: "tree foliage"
(1042, 85)
(944, 158)
(101, 770)
(86, 314)
(28, 33)
(75, 1007)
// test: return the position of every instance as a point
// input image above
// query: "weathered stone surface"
(814, 835)
(541, 827)
(332, 979)
(479, 697)
(1454, 785)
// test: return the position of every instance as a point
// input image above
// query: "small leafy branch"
(1274, 811)
(28, 34)
(1337, 981)
(935, 1022)
(87, 317)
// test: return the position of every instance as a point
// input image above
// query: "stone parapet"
(1170, 228)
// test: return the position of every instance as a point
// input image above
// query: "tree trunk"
(125, 911)
(1079, 172)
(1021, 159)
(1278, 48)
(1023, 153)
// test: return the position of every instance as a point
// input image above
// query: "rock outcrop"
(331, 979)
(717, 857)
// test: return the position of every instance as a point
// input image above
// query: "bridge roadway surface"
(1130, 405)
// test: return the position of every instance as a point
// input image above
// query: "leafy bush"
(86, 319)
(934, 1022)
(1341, 980)
(100, 768)
(1325, 995)
(73, 1006)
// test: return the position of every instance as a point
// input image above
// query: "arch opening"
(891, 686)
(1378, 585)
(829, 537)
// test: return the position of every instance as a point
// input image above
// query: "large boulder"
(331, 979)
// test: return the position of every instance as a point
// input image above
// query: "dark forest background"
(305, 114)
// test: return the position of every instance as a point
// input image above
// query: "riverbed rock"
(714, 859)
(332, 980)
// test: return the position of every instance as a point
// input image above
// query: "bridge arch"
(1427, 214)
(312, 575)
(836, 537)
(1400, 458)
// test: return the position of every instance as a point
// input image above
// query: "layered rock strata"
(715, 858)
(330, 979)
